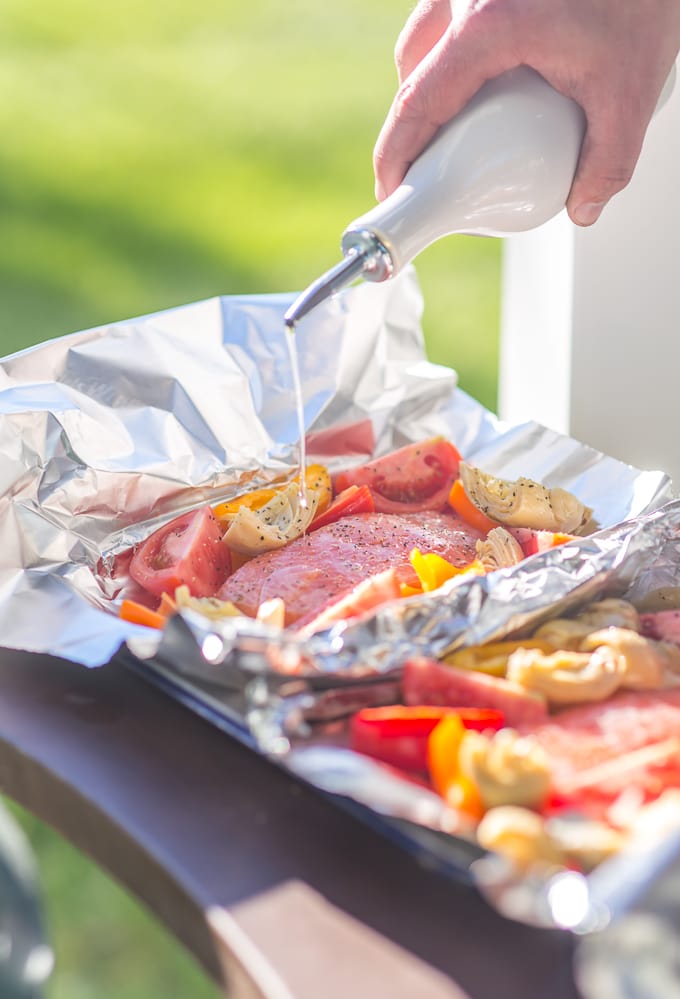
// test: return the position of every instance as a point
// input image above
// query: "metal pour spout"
(366, 257)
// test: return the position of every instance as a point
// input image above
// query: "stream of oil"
(300, 411)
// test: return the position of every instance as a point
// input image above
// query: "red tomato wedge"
(189, 550)
(354, 499)
(398, 734)
(532, 542)
(414, 478)
(664, 625)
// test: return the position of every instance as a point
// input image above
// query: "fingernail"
(588, 212)
(379, 191)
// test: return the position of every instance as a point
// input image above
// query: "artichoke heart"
(642, 661)
(507, 769)
(566, 677)
(210, 607)
(610, 613)
(525, 503)
(273, 525)
(499, 550)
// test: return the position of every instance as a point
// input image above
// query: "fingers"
(610, 152)
(422, 31)
(609, 57)
(436, 90)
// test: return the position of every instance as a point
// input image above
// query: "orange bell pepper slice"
(461, 504)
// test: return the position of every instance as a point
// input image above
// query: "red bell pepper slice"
(398, 734)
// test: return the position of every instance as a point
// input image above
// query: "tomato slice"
(414, 478)
(398, 734)
(186, 551)
(354, 499)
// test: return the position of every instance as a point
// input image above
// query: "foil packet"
(108, 433)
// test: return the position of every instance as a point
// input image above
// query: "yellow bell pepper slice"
(443, 750)
(493, 658)
(317, 477)
(433, 571)
(443, 746)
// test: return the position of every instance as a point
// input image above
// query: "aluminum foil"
(108, 433)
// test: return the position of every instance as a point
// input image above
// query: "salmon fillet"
(591, 734)
(315, 570)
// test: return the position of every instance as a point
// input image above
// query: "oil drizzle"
(300, 410)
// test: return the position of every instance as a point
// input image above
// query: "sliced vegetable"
(663, 625)
(533, 542)
(414, 478)
(227, 510)
(433, 570)
(506, 768)
(462, 505)
(282, 519)
(210, 607)
(499, 550)
(136, 613)
(317, 477)
(443, 763)
(525, 503)
(188, 550)
(398, 734)
(493, 658)
(272, 613)
(354, 499)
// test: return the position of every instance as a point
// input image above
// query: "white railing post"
(590, 318)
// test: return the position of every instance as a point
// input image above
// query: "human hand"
(612, 57)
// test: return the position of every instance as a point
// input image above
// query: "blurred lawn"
(155, 153)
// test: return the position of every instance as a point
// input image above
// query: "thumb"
(610, 151)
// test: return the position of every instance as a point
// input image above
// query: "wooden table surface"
(277, 891)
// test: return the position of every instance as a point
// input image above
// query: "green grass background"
(156, 152)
